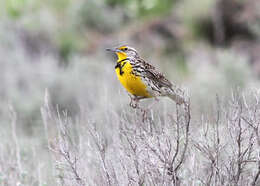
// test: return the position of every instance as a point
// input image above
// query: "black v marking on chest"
(120, 65)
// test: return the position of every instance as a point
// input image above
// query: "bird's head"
(124, 52)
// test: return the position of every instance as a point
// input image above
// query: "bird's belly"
(132, 83)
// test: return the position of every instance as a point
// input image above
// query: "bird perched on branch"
(141, 79)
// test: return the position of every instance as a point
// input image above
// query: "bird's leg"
(135, 100)
(134, 103)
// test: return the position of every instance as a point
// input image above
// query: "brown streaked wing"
(156, 76)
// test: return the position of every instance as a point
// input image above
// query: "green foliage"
(67, 44)
(117, 2)
(15, 7)
(154, 7)
(59, 5)
(94, 15)
(196, 15)
(142, 8)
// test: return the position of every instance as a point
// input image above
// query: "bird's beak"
(113, 50)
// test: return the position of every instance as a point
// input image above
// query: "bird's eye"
(125, 49)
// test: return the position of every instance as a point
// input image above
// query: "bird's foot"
(133, 102)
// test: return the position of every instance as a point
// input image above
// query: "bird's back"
(155, 81)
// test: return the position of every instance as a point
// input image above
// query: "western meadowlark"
(141, 79)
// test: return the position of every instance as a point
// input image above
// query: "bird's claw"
(133, 102)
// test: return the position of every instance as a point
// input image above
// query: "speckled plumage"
(157, 84)
(141, 79)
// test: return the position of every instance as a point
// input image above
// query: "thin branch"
(14, 135)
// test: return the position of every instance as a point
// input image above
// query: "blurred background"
(207, 46)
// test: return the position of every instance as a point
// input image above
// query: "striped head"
(124, 52)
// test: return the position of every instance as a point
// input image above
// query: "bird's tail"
(177, 95)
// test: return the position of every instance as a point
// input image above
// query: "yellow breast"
(132, 83)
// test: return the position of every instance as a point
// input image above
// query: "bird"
(141, 79)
